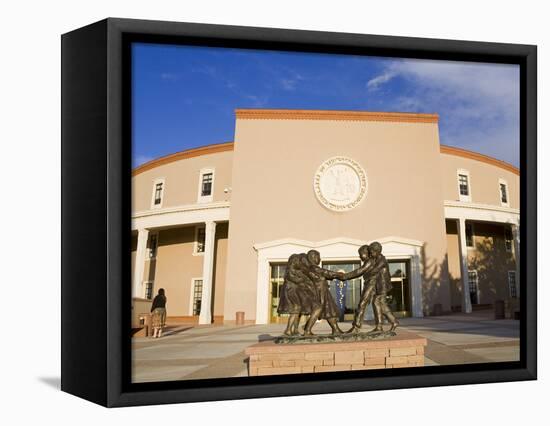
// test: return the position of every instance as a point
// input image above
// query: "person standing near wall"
(158, 311)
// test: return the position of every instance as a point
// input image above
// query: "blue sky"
(185, 97)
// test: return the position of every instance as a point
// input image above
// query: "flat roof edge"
(472, 155)
(188, 153)
(334, 115)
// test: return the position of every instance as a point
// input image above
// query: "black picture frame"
(96, 170)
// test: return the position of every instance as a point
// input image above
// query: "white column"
(139, 266)
(466, 303)
(515, 233)
(205, 316)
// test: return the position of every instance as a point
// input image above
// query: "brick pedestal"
(403, 350)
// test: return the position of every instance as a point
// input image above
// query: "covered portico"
(465, 214)
(148, 222)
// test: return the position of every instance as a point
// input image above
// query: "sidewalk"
(201, 352)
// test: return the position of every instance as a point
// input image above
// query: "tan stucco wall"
(273, 168)
(484, 181)
(182, 181)
(176, 266)
(492, 262)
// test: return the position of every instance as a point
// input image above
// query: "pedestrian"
(158, 313)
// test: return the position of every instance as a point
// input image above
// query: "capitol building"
(215, 225)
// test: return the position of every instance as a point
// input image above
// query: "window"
(206, 186)
(469, 228)
(153, 246)
(197, 296)
(508, 238)
(464, 189)
(463, 185)
(512, 284)
(149, 290)
(473, 286)
(503, 192)
(158, 193)
(200, 239)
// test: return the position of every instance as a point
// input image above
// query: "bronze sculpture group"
(305, 292)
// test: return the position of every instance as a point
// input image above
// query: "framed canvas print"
(254, 212)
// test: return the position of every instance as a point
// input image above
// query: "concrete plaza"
(189, 352)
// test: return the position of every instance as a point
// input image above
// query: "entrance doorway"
(399, 298)
(348, 293)
(277, 277)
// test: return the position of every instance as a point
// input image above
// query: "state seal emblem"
(340, 184)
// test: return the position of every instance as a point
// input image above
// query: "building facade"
(215, 225)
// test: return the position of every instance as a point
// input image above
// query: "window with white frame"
(512, 284)
(153, 245)
(158, 193)
(469, 228)
(197, 296)
(508, 238)
(473, 286)
(206, 185)
(503, 192)
(200, 239)
(464, 189)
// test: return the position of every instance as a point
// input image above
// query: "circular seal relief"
(340, 184)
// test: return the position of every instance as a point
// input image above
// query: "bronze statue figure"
(376, 285)
(297, 296)
(305, 292)
(329, 310)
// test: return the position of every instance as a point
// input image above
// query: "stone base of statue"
(353, 353)
(327, 338)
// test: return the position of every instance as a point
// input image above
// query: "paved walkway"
(200, 352)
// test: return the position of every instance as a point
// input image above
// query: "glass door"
(277, 277)
(346, 294)
(399, 298)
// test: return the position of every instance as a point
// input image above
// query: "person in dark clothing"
(158, 313)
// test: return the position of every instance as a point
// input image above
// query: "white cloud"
(469, 89)
(478, 103)
(493, 87)
(376, 82)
